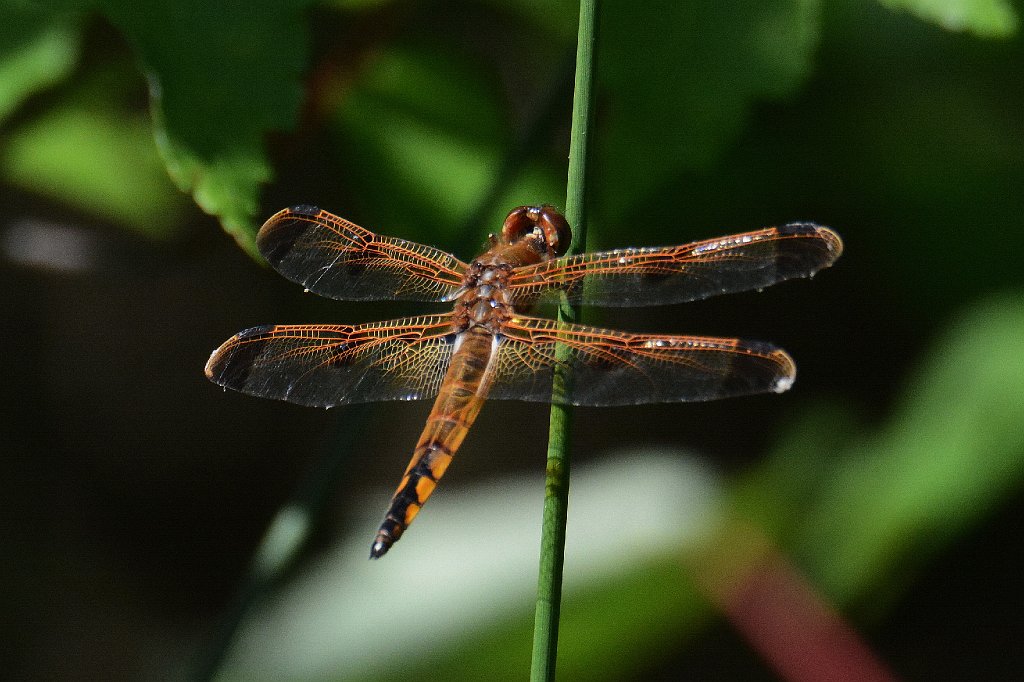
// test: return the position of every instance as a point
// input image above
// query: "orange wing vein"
(327, 365)
(657, 276)
(618, 368)
(335, 258)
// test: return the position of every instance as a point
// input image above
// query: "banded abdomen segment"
(458, 403)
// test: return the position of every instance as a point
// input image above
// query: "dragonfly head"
(543, 225)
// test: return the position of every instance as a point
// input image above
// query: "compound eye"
(517, 224)
(557, 234)
(544, 223)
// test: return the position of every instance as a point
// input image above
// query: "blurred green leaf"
(984, 18)
(37, 50)
(952, 451)
(858, 513)
(213, 102)
(423, 130)
(94, 153)
(681, 80)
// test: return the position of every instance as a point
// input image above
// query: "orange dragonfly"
(487, 346)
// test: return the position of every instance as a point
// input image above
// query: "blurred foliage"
(680, 86)
(426, 124)
(886, 500)
(609, 630)
(897, 121)
(986, 18)
(38, 50)
(430, 119)
(111, 171)
(212, 103)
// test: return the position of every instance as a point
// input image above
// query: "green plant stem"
(556, 493)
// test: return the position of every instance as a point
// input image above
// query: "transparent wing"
(618, 368)
(335, 258)
(326, 365)
(656, 276)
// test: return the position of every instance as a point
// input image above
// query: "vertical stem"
(556, 490)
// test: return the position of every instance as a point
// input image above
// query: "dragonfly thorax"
(485, 301)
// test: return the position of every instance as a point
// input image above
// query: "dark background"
(135, 492)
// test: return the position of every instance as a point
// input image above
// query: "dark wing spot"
(797, 229)
(753, 372)
(276, 241)
(761, 347)
(354, 270)
(804, 257)
(254, 331)
(231, 368)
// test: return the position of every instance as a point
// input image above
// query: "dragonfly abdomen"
(456, 408)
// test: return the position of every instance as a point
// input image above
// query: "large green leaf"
(222, 74)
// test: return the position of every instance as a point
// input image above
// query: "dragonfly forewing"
(333, 257)
(674, 274)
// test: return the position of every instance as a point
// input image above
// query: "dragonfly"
(488, 346)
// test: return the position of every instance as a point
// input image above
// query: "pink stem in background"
(798, 633)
